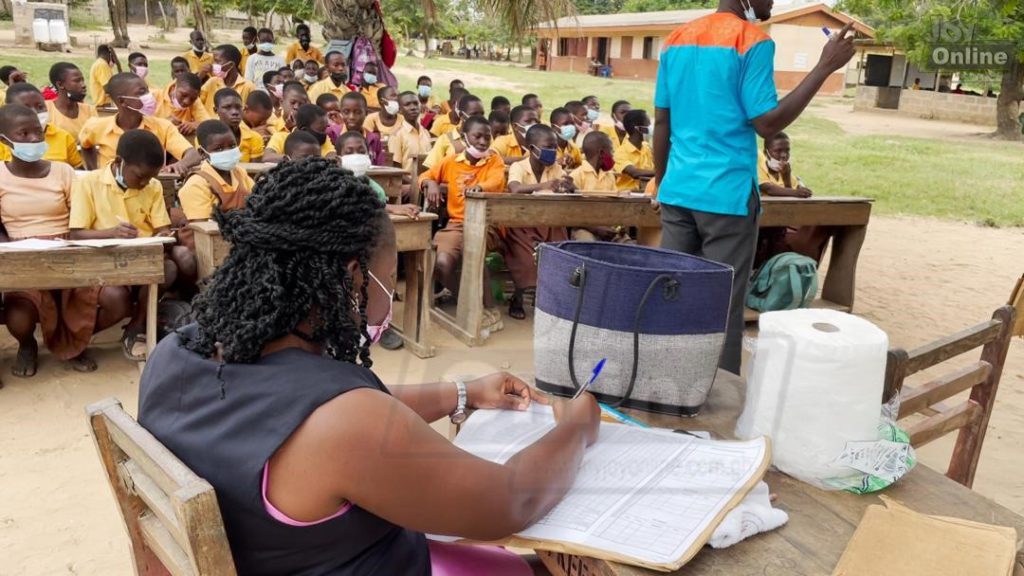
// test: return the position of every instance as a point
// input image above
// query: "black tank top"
(227, 431)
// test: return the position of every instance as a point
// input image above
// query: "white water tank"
(41, 30)
(58, 32)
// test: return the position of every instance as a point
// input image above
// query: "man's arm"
(834, 56)
(662, 132)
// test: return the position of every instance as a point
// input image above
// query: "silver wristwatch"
(459, 415)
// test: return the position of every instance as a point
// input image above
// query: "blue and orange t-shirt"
(715, 76)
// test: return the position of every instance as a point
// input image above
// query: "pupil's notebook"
(643, 496)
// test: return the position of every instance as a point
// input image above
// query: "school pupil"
(286, 73)
(264, 59)
(257, 114)
(533, 101)
(353, 116)
(179, 66)
(593, 105)
(476, 168)
(634, 158)
(219, 183)
(499, 123)
(412, 139)
(452, 141)
(100, 73)
(352, 155)
(370, 83)
(302, 49)
(454, 88)
(386, 121)
(332, 106)
(300, 145)
(138, 64)
(58, 145)
(541, 171)
(428, 103)
(248, 46)
(200, 62)
(596, 174)
(125, 200)
(336, 81)
(180, 104)
(69, 110)
(775, 172)
(228, 105)
(35, 202)
(226, 74)
(293, 96)
(579, 117)
(513, 146)
(443, 123)
(563, 122)
(10, 75)
(501, 104)
(308, 118)
(617, 130)
(135, 108)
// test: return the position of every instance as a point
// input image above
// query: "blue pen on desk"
(597, 372)
(620, 417)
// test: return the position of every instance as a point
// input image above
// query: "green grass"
(38, 67)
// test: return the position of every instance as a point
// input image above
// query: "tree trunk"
(1008, 104)
(426, 42)
(145, 9)
(118, 22)
(163, 15)
(199, 17)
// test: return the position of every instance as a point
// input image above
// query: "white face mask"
(376, 331)
(391, 107)
(749, 13)
(225, 159)
(358, 164)
(775, 165)
(44, 119)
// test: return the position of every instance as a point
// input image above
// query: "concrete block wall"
(948, 106)
(866, 98)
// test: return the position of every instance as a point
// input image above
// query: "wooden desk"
(78, 267)
(254, 169)
(170, 183)
(847, 218)
(413, 240)
(512, 210)
(820, 523)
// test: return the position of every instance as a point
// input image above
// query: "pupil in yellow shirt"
(179, 104)
(138, 64)
(293, 97)
(563, 122)
(101, 72)
(228, 106)
(257, 112)
(453, 96)
(179, 67)
(370, 85)
(69, 110)
(634, 160)
(124, 200)
(220, 183)
(60, 146)
(501, 104)
(499, 123)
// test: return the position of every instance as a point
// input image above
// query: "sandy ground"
(918, 279)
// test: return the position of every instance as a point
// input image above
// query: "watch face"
(458, 418)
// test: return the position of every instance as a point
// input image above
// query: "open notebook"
(643, 496)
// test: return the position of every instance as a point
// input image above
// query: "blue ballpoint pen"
(597, 372)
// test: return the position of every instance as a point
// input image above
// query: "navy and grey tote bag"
(657, 316)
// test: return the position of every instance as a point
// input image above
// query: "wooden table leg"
(842, 268)
(426, 297)
(469, 314)
(151, 301)
(416, 322)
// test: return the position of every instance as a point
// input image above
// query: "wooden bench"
(970, 417)
(413, 239)
(171, 514)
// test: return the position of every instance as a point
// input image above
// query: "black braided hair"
(290, 244)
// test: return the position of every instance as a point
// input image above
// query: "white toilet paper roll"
(815, 383)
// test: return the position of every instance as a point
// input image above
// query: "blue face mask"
(568, 132)
(28, 151)
(424, 90)
(546, 156)
(370, 78)
(265, 46)
(593, 115)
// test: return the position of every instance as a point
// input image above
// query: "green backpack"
(785, 282)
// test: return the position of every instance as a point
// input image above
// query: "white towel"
(752, 516)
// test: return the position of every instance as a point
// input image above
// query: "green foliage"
(599, 6)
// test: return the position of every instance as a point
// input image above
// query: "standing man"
(715, 93)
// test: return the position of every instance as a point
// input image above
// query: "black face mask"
(304, 42)
(339, 77)
(76, 97)
(321, 137)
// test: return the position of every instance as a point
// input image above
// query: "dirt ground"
(918, 279)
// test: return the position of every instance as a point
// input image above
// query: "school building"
(631, 43)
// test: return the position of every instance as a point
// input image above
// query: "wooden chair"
(971, 416)
(171, 513)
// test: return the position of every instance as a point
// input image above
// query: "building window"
(648, 48)
(563, 47)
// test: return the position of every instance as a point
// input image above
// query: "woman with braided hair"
(319, 467)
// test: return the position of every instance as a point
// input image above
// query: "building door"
(602, 50)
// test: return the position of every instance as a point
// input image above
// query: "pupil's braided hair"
(290, 245)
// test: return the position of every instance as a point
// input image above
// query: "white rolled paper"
(815, 383)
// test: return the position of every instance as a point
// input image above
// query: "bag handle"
(579, 280)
